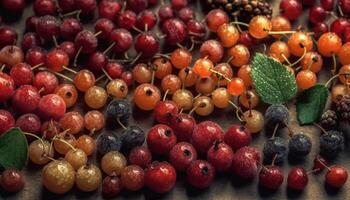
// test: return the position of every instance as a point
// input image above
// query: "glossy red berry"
(160, 177)
(111, 186)
(165, 12)
(140, 156)
(8, 36)
(69, 28)
(319, 29)
(26, 99)
(205, 134)
(14, 6)
(48, 27)
(147, 44)
(105, 26)
(51, 106)
(35, 56)
(200, 174)
(137, 5)
(175, 31)
(12, 180)
(126, 20)
(122, 40)
(50, 129)
(213, 49)
(7, 87)
(161, 139)
(249, 152)
(44, 7)
(339, 25)
(114, 69)
(109, 9)
(327, 4)
(244, 167)
(271, 177)
(69, 48)
(97, 61)
(181, 156)
(317, 14)
(297, 178)
(237, 136)
(30, 40)
(164, 111)
(291, 9)
(29, 123)
(85, 40)
(183, 126)
(67, 5)
(46, 82)
(56, 60)
(319, 163)
(220, 155)
(336, 176)
(146, 20)
(87, 7)
(6, 121)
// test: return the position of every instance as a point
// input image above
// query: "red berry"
(178, 4)
(183, 126)
(122, 40)
(345, 6)
(46, 82)
(50, 129)
(127, 77)
(196, 29)
(44, 7)
(200, 174)
(22, 74)
(56, 60)
(31, 23)
(66, 5)
(186, 14)
(7, 87)
(140, 156)
(213, 49)
(87, 7)
(243, 167)
(70, 28)
(247, 40)
(26, 99)
(165, 12)
(319, 29)
(48, 27)
(145, 19)
(175, 31)
(339, 25)
(317, 14)
(220, 155)
(336, 176)
(216, 18)
(13, 6)
(297, 178)
(237, 136)
(147, 44)
(111, 186)
(51, 106)
(249, 152)
(161, 139)
(30, 40)
(105, 26)
(29, 123)
(69, 48)
(181, 156)
(6, 121)
(291, 9)
(35, 56)
(97, 61)
(347, 35)
(205, 134)
(114, 69)
(12, 180)
(319, 163)
(108, 9)
(137, 5)
(126, 20)
(85, 40)
(8, 36)
(160, 177)
(271, 177)
(327, 4)
(164, 111)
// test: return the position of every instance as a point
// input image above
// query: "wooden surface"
(225, 186)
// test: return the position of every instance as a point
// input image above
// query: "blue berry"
(108, 142)
(299, 145)
(131, 137)
(274, 146)
(118, 109)
(331, 143)
(276, 114)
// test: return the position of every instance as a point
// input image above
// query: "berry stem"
(63, 76)
(280, 32)
(76, 12)
(37, 137)
(137, 29)
(181, 110)
(334, 77)
(55, 41)
(126, 55)
(237, 25)
(275, 130)
(323, 164)
(320, 127)
(36, 66)
(198, 95)
(109, 48)
(220, 74)
(286, 59)
(136, 58)
(100, 78)
(2, 67)
(300, 59)
(341, 13)
(238, 110)
(104, 71)
(165, 94)
(68, 69)
(98, 33)
(121, 124)
(334, 70)
(274, 160)
(259, 163)
(76, 56)
(65, 142)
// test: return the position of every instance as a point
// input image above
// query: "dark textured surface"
(225, 186)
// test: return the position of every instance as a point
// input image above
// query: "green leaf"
(273, 82)
(13, 150)
(311, 104)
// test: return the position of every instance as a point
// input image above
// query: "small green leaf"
(273, 82)
(311, 104)
(13, 150)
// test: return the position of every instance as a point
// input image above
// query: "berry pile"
(136, 57)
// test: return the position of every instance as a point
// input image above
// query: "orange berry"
(224, 69)
(312, 61)
(298, 41)
(146, 96)
(244, 74)
(279, 49)
(203, 67)
(345, 79)
(280, 23)
(329, 44)
(228, 35)
(236, 87)
(240, 55)
(306, 79)
(216, 18)
(249, 99)
(87, 144)
(259, 27)
(181, 58)
(344, 54)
